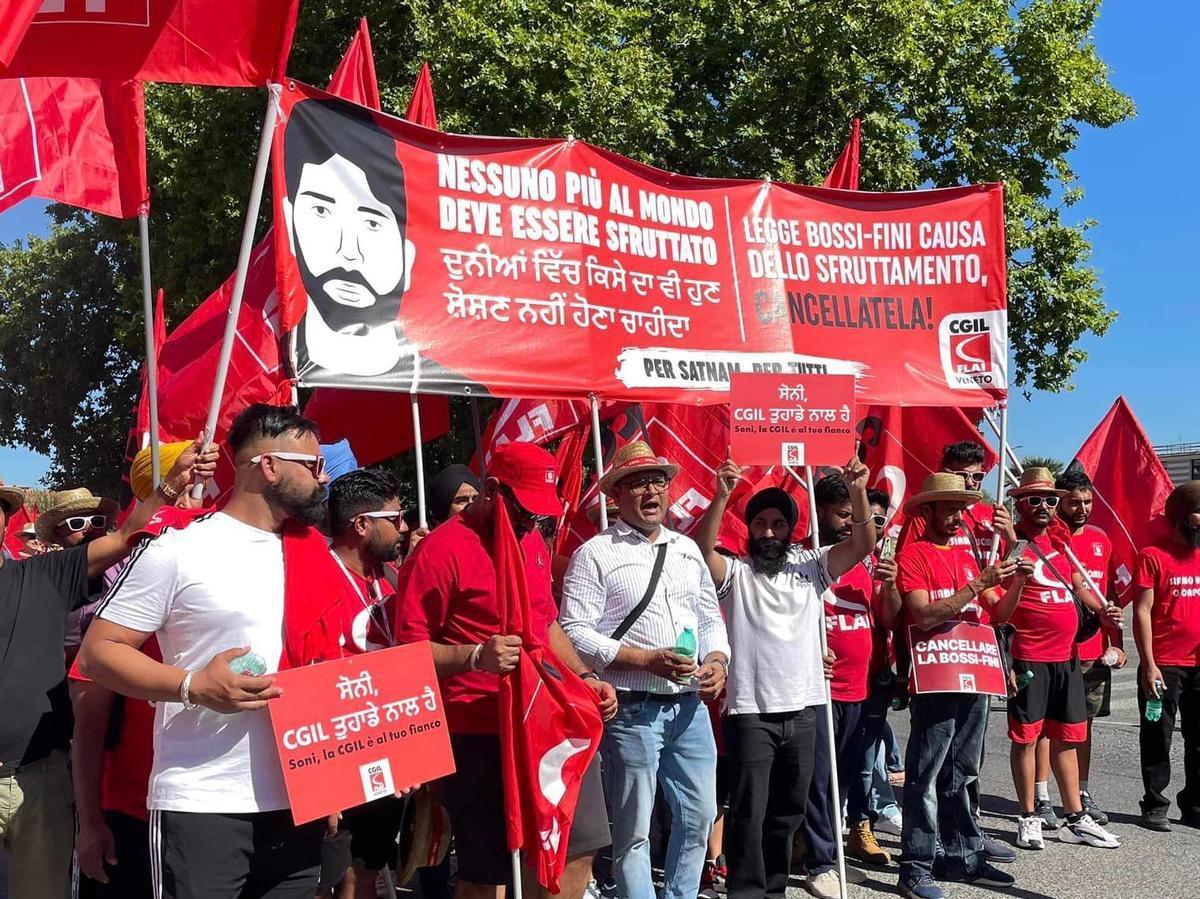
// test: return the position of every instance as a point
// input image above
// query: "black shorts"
(1051, 705)
(1097, 688)
(474, 798)
(261, 854)
(373, 828)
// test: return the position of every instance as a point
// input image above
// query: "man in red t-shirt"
(1166, 625)
(1040, 605)
(367, 526)
(941, 581)
(447, 595)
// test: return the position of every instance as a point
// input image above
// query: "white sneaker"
(892, 824)
(824, 886)
(592, 891)
(1086, 831)
(1029, 833)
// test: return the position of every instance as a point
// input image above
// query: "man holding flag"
(523, 725)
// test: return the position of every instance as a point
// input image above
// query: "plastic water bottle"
(1024, 679)
(251, 664)
(1110, 657)
(685, 645)
(1154, 703)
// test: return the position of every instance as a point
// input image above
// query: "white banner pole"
(599, 451)
(516, 874)
(243, 266)
(1002, 433)
(814, 530)
(1008, 450)
(151, 349)
(420, 459)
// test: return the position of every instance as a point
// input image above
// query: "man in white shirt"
(214, 592)
(773, 607)
(632, 596)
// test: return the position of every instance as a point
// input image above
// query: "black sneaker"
(1089, 805)
(1155, 819)
(985, 876)
(1190, 819)
(1044, 809)
(997, 850)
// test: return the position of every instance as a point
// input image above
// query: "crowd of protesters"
(135, 746)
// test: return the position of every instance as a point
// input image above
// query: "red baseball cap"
(531, 473)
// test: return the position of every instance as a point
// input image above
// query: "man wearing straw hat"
(635, 598)
(940, 580)
(37, 816)
(1040, 603)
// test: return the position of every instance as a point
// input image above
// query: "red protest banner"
(359, 729)
(792, 420)
(567, 269)
(957, 657)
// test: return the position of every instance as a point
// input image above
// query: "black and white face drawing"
(346, 215)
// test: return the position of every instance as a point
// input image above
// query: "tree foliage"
(949, 91)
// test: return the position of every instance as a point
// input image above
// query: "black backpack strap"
(636, 613)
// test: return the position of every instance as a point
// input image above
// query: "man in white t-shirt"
(773, 610)
(214, 592)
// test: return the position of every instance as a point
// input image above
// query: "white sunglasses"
(394, 517)
(315, 464)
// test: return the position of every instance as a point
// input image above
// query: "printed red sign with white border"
(957, 657)
(792, 420)
(359, 729)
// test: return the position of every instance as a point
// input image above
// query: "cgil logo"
(376, 779)
(973, 350)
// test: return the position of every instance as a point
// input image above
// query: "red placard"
(957, 657)
(359, 729)
(570, 270)
(792, 420)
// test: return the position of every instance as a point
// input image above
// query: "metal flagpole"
(815, 531)
(151, 349)
(599, 461)
(243, 265)
(1002, 433)
(516, 874)
(1008, 450)
(419, 450)
(478, 436)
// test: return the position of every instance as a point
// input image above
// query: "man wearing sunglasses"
(447, 595)
(253, 581)
(35, 709)
(367, 524)
(1040, 605)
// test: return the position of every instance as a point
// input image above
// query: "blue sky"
(1146, 234)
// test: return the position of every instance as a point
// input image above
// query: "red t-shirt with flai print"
(849, 631)
(1045, 618)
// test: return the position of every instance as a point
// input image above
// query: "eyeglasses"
(655, 483)
(393, 517)
(315, 464)
(971, 477)
(880, 520)
(1035, 502)
(78, 523)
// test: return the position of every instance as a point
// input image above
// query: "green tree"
(949, 91)
(1054, 465)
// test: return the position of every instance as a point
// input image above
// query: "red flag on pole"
(78, 141)
(378, 425)
(550, 726)
(1130, 487)
(235, 43)
(844, 174)
(532, 421)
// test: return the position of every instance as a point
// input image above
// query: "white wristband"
(473, 663)
(185, 691)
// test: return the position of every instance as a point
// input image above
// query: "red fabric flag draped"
(378, 425)
(550, 726)
(844, 174)
(533, 421)
(235, 43)
(1130, 487)
(79, 141)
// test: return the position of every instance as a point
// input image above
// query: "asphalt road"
(1147, 865)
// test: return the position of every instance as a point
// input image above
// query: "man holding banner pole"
(941, 582)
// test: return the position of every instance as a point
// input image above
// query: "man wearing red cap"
(447, 595)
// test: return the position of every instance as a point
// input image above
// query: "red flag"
(550, 727)
(570, 454)
(73, 140)
(532, 421)
(17, 14)
(421, 108)
(235, 43)
(378, 425)
(1130, 486)
(844, 174)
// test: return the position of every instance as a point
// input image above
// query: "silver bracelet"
(185, 691)
(473, 662)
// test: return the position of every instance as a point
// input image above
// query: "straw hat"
(424, 835)
(632, 458)
(73, 502)
(1036, 480)
(942, 487)
(28, 529)
(11, 498)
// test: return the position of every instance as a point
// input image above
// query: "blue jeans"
(871, 722)
(669, 742)
(941, 763)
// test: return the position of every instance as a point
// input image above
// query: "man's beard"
(304, 507)
(337, 315)
(767, 555)
(385, 551)
(1190, 534)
